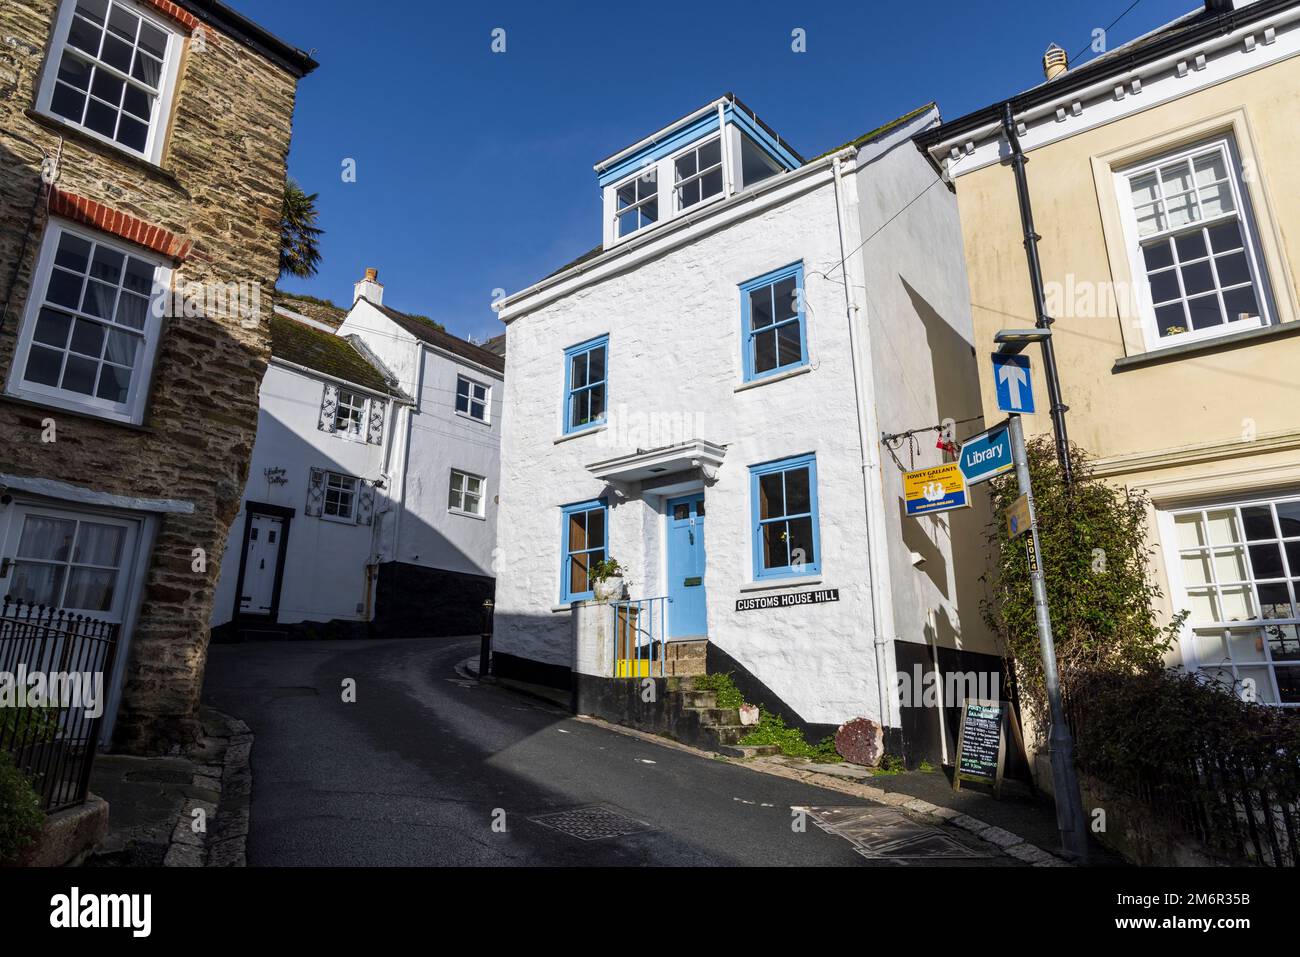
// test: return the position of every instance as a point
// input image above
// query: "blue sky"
(474, 168)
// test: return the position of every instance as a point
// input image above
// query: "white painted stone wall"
(325, 576)
(674, 326)
(325, 563)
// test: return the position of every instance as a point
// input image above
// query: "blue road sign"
(986, 455)
(1014, 383)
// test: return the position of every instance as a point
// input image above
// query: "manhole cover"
(886, 833)
(593, 823)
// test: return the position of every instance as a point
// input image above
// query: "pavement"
(382, 753)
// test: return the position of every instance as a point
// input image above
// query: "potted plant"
(607, 579)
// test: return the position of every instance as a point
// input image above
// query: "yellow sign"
(937, 489)
(1018, 520)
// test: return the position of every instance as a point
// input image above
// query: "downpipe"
(872, 502)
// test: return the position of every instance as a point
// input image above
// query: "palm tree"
(299, 254)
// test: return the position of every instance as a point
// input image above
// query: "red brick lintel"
(128, 227)
(186, 19)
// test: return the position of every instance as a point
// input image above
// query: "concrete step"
(699, 699)
(748, 750)
(717, 717)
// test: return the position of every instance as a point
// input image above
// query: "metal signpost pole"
(1069, 806)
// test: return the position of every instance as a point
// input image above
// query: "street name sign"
(1014, 384)
(938, 489)
(986, 455)
(789, 600)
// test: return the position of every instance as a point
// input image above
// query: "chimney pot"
(1055, 62)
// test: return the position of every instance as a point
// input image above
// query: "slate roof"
(325, 352)
(428, 331)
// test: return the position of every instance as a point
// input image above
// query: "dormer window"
(699, 173)
(638, 201)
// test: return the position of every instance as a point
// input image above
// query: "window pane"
(685, 166)
(1171, 320)
(711, 154)
(1266, 561)
(1164, 286)
(798, 499)
(789, 348)
(153, 40)
(37, 584)
(1246, 644)
(1149, 220)
(453, 494)
(1205, 312)
(711, 183)
(596, 364)
(1230, 566)
(1241, 304)
(79, 375)
(760, 307)
(1190, 246)
(1258, 522)
(1238, 603)
(1225, 237)
(107, 87)
(577, 531)
(43, 366)
(1288, 519)
(1216, 200)
(132, 133)
(775, 554)
(46, 538)
(75, 72)
(114, 383)
(1158, 255)
(1196, 570)
(90, 589)
(765, 351)
(1288, 684)
(596, 399)
(1182, 210)
(100, 299)
(1190, 532)
(1176, 177)
(84, 36)
(1197, 277)
(1210, 168)
(578, 565)
(1283, 642)
(1275, 600)
(1232, 269)
(52, 328)
(596, 528)
(64, 289)
(786, 302)
(578, 371)
(1144, 189)
(801, 542)
(462, 403)
(771, 495)
(139, 277)
(116, 53)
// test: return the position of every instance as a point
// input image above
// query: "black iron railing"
(59, 666)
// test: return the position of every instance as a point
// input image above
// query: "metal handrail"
(640, 627)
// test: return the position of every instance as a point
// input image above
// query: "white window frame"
(1243, 214)
(657, 196)
(458, 489)
(132, 410)
(159, 122)
(487, 399)
(354, 492)
(1180, 588)
(677, 185)
(363, 424)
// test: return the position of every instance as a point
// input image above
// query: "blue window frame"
(783, 506)
(586, 395)
(772, 322)
(583, 542)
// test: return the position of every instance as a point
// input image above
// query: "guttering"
(759, 198)
(659, 134)
(882, 613)
(1099, 76)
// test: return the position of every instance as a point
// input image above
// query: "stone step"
(681, 683)
(717, 717)
(699, 699)
(748, 750)
(729, 733)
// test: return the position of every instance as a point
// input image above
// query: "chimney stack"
(369, 288)
(1055, 62)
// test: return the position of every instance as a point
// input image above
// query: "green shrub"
(29, 725)
(21, 816)
(729, 695)
(771, 729)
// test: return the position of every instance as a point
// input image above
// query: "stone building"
(702, 398)
(144, 147)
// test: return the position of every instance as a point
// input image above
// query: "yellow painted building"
(1162, 177)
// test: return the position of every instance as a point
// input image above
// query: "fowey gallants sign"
(788, 600)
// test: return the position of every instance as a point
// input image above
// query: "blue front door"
(686, 612)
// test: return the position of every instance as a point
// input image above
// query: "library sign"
(768, 602)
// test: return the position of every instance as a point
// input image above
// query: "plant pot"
(610, 589)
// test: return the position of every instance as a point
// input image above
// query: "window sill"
(474, 419)
(464, 514)
(337, 520)
(774, 377)
(795, 581)
(67, 130)
(51, 406)
(1230, 341)
(580, 433)
(557, 609)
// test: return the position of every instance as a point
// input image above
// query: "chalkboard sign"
(982, 742)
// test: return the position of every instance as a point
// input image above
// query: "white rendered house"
(369, 507)
(702, 397)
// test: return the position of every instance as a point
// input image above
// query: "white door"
(261, 562)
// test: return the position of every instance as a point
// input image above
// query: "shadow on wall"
(410, 599)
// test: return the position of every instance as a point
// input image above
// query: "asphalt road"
(417, 770)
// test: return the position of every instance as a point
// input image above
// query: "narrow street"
(413, 772)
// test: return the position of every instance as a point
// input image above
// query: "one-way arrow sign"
(1014, 383)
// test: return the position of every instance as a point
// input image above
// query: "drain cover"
(592, 823)
(886, 833)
